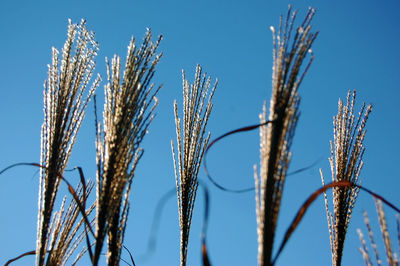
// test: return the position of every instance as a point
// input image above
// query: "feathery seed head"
(391, 257)
(192, 142)
(66, 228)
(128, 111)
(64, 109)
(276, 138)
(346, 163)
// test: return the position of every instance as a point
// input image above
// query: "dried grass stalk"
(371, 238)
(192, 142)
(276, 138)
(66, 228)
(385, 233)
(64, 109)
(363, 249)
(128, 112)
(346, 164)
(391, 257)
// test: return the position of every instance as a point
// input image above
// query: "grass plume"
(391, 257)
(192, 142)
(128, 111)
(276, 137)
(66, 235)
(346, 163)
(64, 109)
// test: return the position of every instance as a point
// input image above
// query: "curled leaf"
(313, 197)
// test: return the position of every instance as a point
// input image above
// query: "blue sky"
(357, 48)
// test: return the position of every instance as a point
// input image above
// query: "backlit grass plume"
(192, 142)
(346, 163)
(276, 137)
(64, 109)
(66, 228)
(128, 111)
(391, 256)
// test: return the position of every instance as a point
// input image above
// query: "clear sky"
(357, 48)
